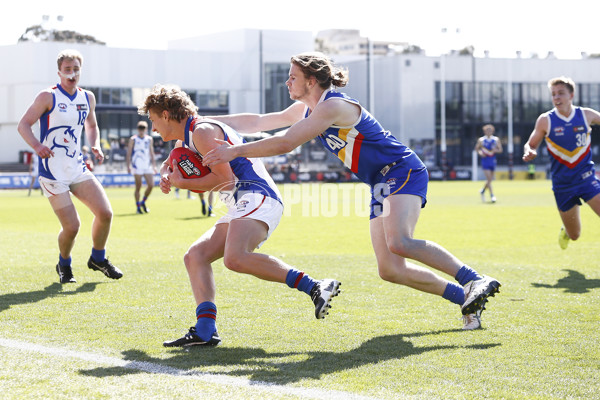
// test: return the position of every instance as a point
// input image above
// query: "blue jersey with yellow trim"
(365, 147)
(488, 144)
(569, 142)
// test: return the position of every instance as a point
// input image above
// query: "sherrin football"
(189, 163)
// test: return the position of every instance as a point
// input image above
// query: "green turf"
(540, 336)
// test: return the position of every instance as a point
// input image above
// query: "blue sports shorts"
(488, 163)
(570, 197)
(399, 180)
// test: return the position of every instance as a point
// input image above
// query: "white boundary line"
(154, 368)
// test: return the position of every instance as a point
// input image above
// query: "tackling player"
(397, 177)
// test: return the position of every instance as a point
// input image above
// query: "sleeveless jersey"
(250, 173)
(569, 142)
(140, 154)
(60, 130)
(487, 146)
(365, 147)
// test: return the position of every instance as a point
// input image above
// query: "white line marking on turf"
(154, 368)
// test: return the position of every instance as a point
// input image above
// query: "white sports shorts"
(142, 171)
(255, 206)
(52, 187)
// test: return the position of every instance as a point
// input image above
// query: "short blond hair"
(168, 98)
(562, 80)
(68, 55)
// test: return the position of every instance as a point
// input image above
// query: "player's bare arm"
(536, 137)
(324, 115)
(592, 116)
(41, 104)
(204, 139)
(152, 156)
(91, 129)
(498, 148)
(252, 123)
(128, 155)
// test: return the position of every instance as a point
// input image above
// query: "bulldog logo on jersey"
(63, 137)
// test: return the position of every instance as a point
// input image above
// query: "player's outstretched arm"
(536, 137)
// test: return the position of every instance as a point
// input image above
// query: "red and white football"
(189, 163)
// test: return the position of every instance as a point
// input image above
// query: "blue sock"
(98, 255)
(455, 293)
(299, 280)
(466, 274)
(63, 262)
(206, 315)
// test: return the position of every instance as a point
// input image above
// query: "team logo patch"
(241, 205)
(62, 107)
(391, 183)
(559, 130)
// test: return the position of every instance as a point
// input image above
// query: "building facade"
(246, 70)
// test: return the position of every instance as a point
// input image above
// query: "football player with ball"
(254, 210)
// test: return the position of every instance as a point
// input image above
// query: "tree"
(37, 33)
(413, 49)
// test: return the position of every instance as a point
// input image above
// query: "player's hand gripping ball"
(189, 163)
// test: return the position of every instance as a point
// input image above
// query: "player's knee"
(401, 246)
(392, 274)
(193, 257)
(235, 262)
(574, 235)
(386, 275)
(105, 215)
(71, 228)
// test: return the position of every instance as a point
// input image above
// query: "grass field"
(100, 339)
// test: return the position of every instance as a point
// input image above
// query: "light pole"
(443, 112)
(509, 100)
(443, 147)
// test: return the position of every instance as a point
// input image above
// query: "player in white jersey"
(63, 111)
(255, 208)
(141, 163)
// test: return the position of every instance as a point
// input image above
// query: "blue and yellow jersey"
(569, 143)
(487, 146)
(365, 147)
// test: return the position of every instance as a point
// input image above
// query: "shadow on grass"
(277, 368)
(192, 218)
(574, 282)
(55, 289)
(132, 214)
